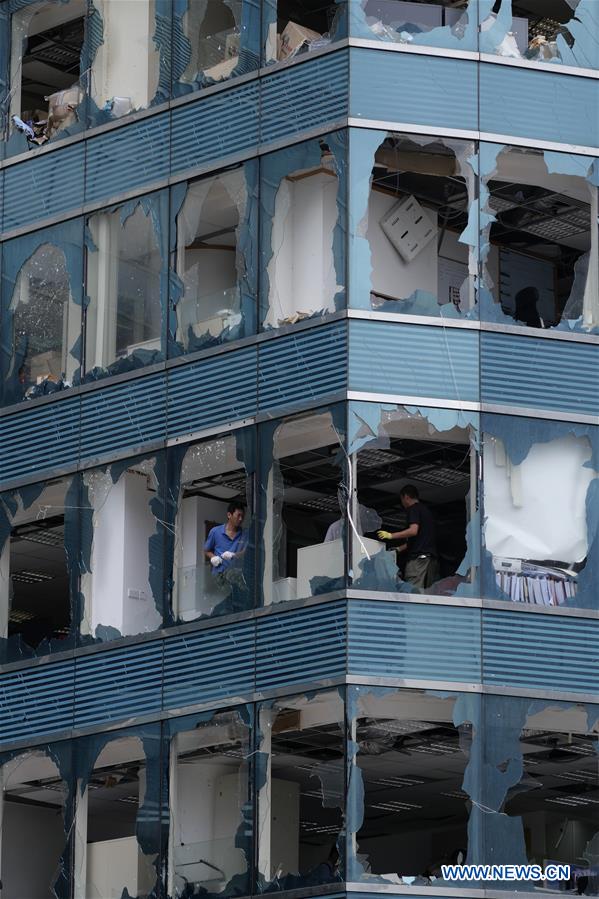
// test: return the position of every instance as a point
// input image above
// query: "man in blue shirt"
(226, 544)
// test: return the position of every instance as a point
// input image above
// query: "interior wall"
(127, 63)
(32, 840)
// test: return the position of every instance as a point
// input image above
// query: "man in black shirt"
(421, 545)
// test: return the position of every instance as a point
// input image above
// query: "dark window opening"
(415, 809)
(49, 72)
(539, 237)
(440, 471)
(536, 25)
(40, 603)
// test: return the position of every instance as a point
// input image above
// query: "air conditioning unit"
(409, 227)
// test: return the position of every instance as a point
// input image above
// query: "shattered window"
(210, 812)
(125, 69)
(410, 762)
(563, 31)
(116, 841)
(217, 300)
(301, 791)
(33, 808)
(36, 561)
(212, 30)
(296, 27)
(46, 326)
(415, 503)
(302, 198)
(45, 68)
(124, 268)
(213, 568)
(541, 248)
(539, 536)
(411, 248)
(429, 23)
(121, 583)
(545, 759)
(305, 504)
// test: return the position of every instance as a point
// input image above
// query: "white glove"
(227, 556)
(215, 560)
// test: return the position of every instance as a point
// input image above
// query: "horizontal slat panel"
(211, 664)
(216, 126)
(413, 360)
(124, 416)
(36, 701)
(515, 100)
(404, 87)
(546, 374)
(288, 653)
(56, 443)
(41, 187)
(215, 390)
(302, 366)
(397, 639)
(116, 684)
(304, 97)
(546, 652)
(127, 157)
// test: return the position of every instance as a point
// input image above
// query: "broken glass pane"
(542, 757)
(539, 243)
(305, 502)
(301, 801)
(213, 566)
(217, 41)
(210, 812)
(411, 248)
(125, 284)
(563, 31)
(46, 325)
(121, 584)
(302, 197)
(410, 760)
(296, 27)
(540, 527)
(33, 811)
(414, 501)
(429, 23)
(214, 261)
(46, 80)
(117, 835)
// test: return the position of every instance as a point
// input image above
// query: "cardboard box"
(293, 37)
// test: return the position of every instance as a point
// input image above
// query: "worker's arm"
(412, 531)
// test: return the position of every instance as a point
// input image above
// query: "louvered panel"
(303, 366)
(116, 684)
(36, 701)
(43, 186)
(127, 158)
(408, 640)
(515, 100)
(216, 126)
(303, 97)
(548, 652)
(56, 443)
(211, 664)
(540, 373)
(215, 390)
(404, 87)
(413, 360)
(123, 417)
(302, 646)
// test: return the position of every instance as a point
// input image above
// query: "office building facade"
(298, 257)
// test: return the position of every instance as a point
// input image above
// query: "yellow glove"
(384, 535)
